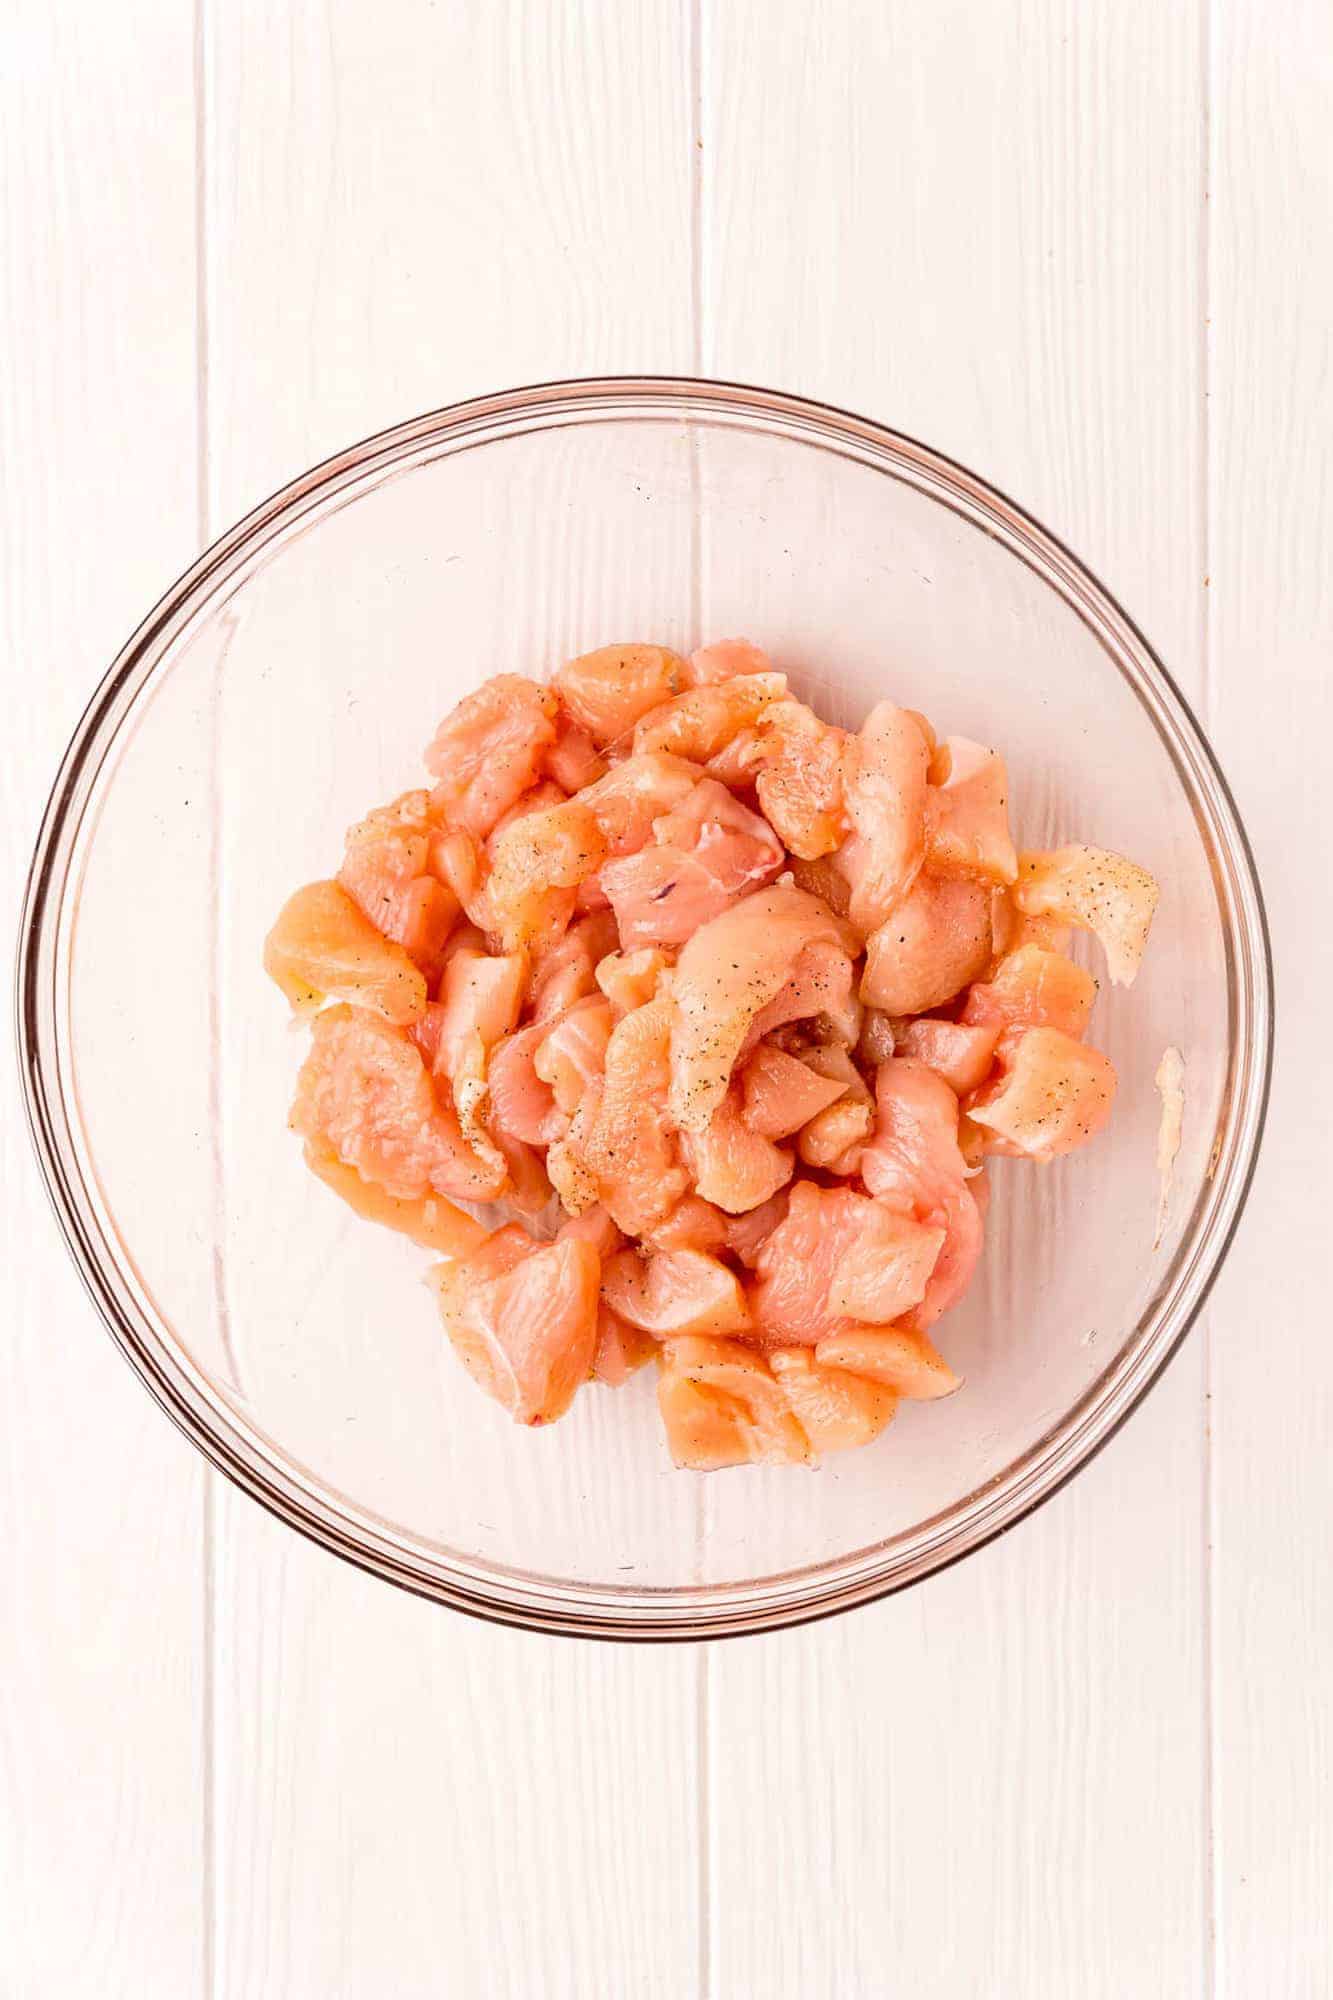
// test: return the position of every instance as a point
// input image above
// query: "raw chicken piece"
(837, 1411)
(886, 767)
(1032, 988)
(1053, 1095)
(903, 1359)
(459, 861)
(733, 1166)
(885, 1273)
(914, 1165)
(821, 990)
(726, 975)
(593, 1226)
(706, 854)
(967, 819)
(621, 1349)
(933, 944)
(572, 760)
(747, 1234)
(386, 872)
(480, 998)
(522, 1104)
(1099, 892)
(723, 660)
(538, 861)
(607, 691)
(428, 1219)
(636, 792)
(782, 1093)
(522, 1317)
(672, 1292)
(489, 749)
(573, 1053)
(800, 779)
(567, 971)
(630, 979)
(365, 1096)
(693, 1224)
(721, 1406)
(836, 1246)
(323, 947)
(959, 1052)
(697, 723)
(628, 1145)
(835, 1138)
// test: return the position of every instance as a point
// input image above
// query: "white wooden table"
(1083, 245)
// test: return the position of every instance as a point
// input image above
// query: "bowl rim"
(701, 1612)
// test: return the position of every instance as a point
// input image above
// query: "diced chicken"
(723, 660)
(693, 1224)
(1099, 892)
(834, 1139)
(747, 1234)
(697, 723)
(567, 971)
(728, 972)
(836, 1410)
(323, 947)
(821, 991)
(628, 1145)
(630, 979)
(914, 1165)
(428, 1219)
(573, 1053)
(460, 862)
(800, 779)
(781, 1093)
(886, 1271)
(386, 872)
(733, 1166)
(489, 749)
(903, 1359)
(959, 1052)
(522, 1104)
(636, 792)
(1032, 988)
(967, 817)
(706, 854)
(934, 943)
(538, 862)
(522, 1318)
(365, 1096)
(621, 1349)
(886, 768)
(607, 691)
(673, 1292)
(836, 1246)
(721, 1406)
(573, 759)
(1053, 1095)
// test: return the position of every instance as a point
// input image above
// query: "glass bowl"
(290, 680)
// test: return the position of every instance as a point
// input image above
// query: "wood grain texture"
(409, 1803)
(1271, 711)
(993, 1770)
(102, 1668)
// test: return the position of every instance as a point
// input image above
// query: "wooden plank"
(977, 1781)
(408, 1801)
(1271, 641)
(103, 1882)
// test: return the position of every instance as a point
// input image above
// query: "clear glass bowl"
(290, 680)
